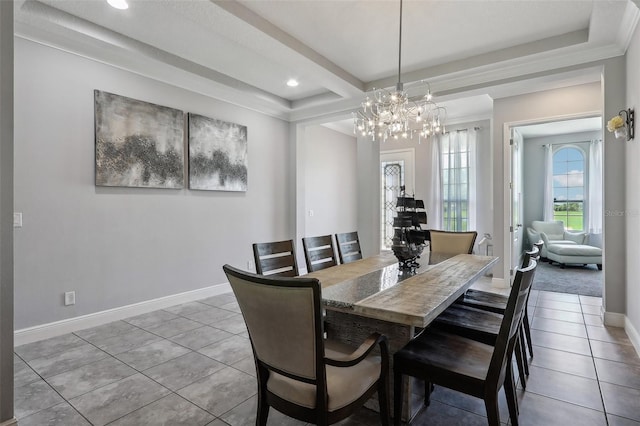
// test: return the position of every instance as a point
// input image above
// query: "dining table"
(375, 295)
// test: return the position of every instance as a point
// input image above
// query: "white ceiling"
(244, 51)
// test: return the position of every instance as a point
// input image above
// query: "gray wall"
(632, 219)
(6, 212)
(331, 182)
(533, 191)
(118, 246)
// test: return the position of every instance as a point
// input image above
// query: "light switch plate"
(17, 220)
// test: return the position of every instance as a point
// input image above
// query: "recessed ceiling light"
(119, 4)
(292, 82)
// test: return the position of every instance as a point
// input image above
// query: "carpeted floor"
(585, 280)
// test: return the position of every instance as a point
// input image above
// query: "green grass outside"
(572, 221)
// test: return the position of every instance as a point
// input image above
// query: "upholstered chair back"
(282, 316)
(452, 242)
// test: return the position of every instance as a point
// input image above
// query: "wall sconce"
(623, 127)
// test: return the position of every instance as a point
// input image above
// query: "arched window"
(568, 187)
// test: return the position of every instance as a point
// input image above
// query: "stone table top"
(375, 287)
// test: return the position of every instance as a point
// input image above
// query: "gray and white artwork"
(138, 144)
(217, 154)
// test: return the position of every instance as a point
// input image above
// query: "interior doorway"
(554, 172)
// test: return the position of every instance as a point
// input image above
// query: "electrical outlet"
(69, 298)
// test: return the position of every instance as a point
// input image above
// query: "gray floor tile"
(125, 342)
(537, 410)
(218, 422)
(200, 337)
(439, 414)
(210, 316)
(22, 373)
(466, 402)
(59, 415)
(232, 306)
(621, 421)
(187, 308)
(566, 362)
(173, 327)
(608, 334)
(170, 410)
(565, 387)
(591, 309)
(233, 324)
(67, 360)
(247, 365)
(219, 300)
(590, 300)
(560, 342)
(221, 391)
(558, 297)
(560, 306)
(106, 331)
(89, 377)
(151, 318)
(595, 320)
(48, 347)
(152, 354)
(34, 397)
(560, 327)
(115, 400)
(558, 315)
(244, 414)
(229, 350)
(621, 401)
(184, 370)
(618, 373)
(614, 352)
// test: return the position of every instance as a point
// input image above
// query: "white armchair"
(553, 232)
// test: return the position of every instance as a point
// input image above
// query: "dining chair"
(449, 242)
(276, 258)
(299, 373)
(484, 325)
(319, 252)
(348, 247)
(497, 302)
(467, 365)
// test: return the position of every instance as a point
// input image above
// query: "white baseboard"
(499, 283)
(633, 334)
(45, 331)
(10, 422)
(613, 319)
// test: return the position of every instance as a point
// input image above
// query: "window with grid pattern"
(568, 187)
(455, 181)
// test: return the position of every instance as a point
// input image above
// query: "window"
(568, 187)
(392, 178)
(456, 179)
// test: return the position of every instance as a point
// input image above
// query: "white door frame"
(506, 190)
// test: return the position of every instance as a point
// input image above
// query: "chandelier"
(393, 114)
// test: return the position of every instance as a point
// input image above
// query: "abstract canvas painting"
(217, 154)
(138, 144)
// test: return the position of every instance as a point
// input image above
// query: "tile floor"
(192, 365)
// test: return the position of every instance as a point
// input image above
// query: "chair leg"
(263, 410)
(520, 362)
(428, 388)
(527, 332)
(510, 393)
(398, 387)
(523, 346)
(383, 399)
(493, 413)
